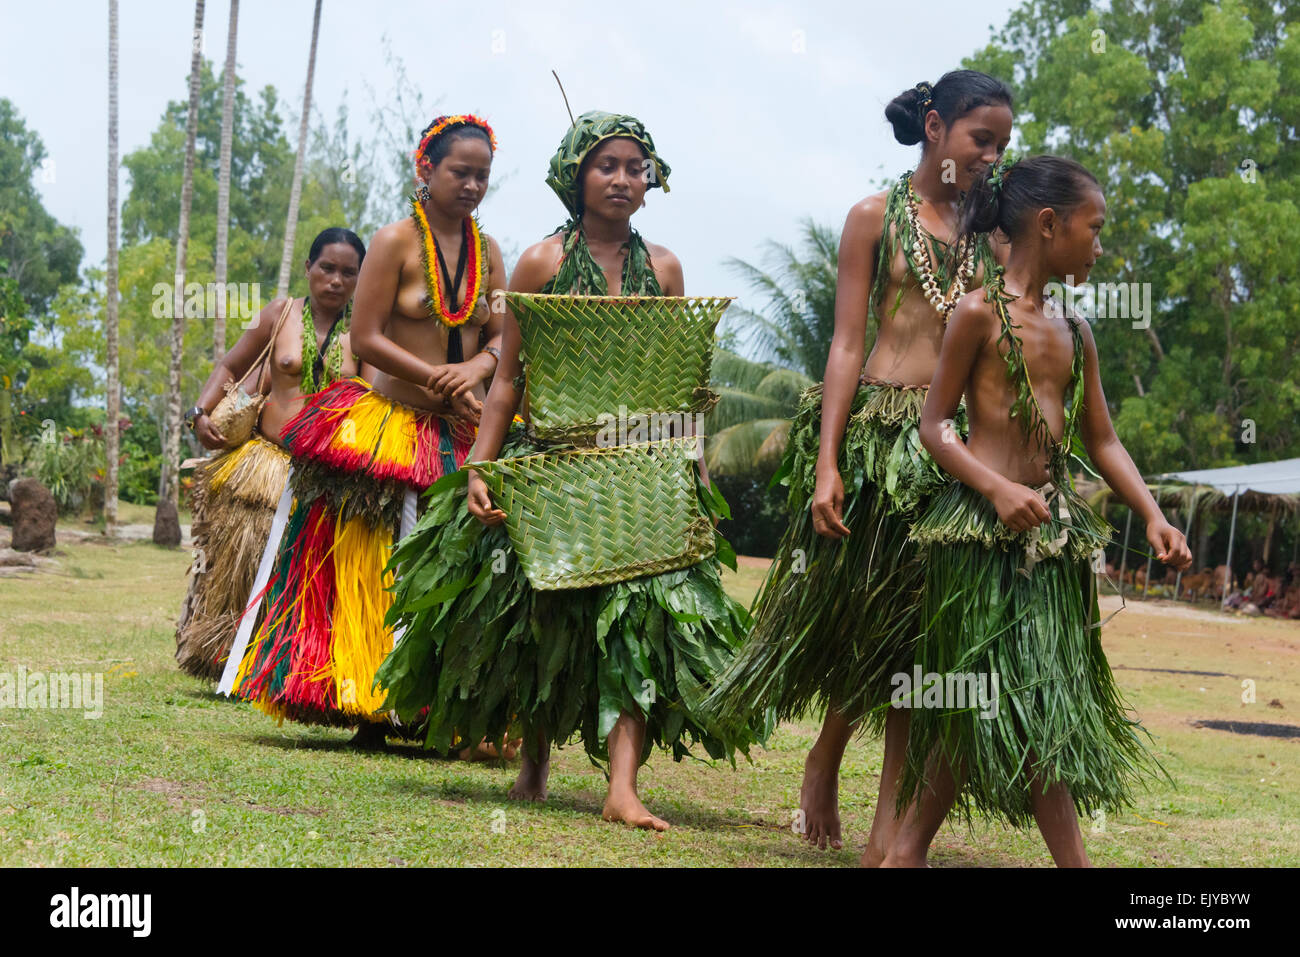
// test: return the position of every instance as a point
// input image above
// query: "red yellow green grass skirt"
(358, 459)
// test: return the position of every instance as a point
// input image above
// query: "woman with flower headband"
(491, 653)
(295, 348)
(362, 451)
(837, 615)
(1010, 595)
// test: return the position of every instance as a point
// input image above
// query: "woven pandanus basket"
(602, 515)
(589, 357)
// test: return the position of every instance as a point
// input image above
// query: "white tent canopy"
(1251, 482)
(1266, 478)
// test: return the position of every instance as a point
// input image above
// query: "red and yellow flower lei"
(473, 267)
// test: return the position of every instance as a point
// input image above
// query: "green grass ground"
(172, 775)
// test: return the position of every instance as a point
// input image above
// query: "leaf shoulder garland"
(578, 273)
(332, 369)
(1025, 406)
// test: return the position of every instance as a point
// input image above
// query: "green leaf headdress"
(590, 130)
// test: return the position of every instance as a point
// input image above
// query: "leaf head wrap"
(589, 131)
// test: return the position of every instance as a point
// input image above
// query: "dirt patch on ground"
(180, 796)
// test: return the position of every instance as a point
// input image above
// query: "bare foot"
(530, 785)
(485, 750)
(512, 748)
(872, 856)
(902, 860)
(369, 737)
(627, 807)
(819, 801)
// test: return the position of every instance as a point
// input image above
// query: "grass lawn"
(172, 775)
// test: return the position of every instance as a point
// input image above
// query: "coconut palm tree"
(790, 338)
(223, 185)
(747, 430)
(795, 326)
(166, 530)
(110, 290)
(295, 193)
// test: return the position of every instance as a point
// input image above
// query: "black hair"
(440, 145)
(1027, 186)
(336, 234)
(956, 94)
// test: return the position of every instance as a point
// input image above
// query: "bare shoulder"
(662, 255)
(973, 319)
(868, 213)
(393, 237)
(260, 331)
(537, 264)
(668, 269)
(544, 254)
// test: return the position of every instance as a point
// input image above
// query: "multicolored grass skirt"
(323, 634)
(834, 620)
(1018, 613)
(487, 654)
(235, 494)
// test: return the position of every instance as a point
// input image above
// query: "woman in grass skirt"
(236, 492)
(624, 665)
(1016, 712)
(836, 616)
(364, 449)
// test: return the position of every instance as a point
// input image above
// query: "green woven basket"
(590, 359)
(602, 515)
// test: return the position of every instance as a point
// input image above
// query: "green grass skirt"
(834, 620)
(488, 654)
(1022, 607)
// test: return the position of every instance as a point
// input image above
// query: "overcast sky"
(767, 112)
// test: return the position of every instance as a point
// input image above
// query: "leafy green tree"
(1186, 112)
(39, 254)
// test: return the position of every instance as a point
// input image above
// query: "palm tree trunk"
(114, 403)
(291, 222)
(169, 480)
(223, 186)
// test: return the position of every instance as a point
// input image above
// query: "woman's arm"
(235, 366)
(1116, 467)
(859, 245)
(535, 267)
(968, 333)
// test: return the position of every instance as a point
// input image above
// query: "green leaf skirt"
(1021, 607)
(487, 654)
(834, 619)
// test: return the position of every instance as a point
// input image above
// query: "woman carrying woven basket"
(363, 450)
(837, 615)
(293, 349)
(624, 664)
